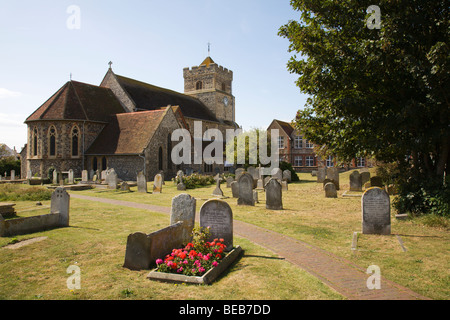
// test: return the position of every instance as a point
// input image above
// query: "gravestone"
(84, 176)
(365, 177)
(111, 179)
(355, 181)
(376, 182)
(325, 181)
(277, 174)
(161, 172)
(321, 174)
(260, 184)
(218, 216)
(274, 199)
(141, 182)
(376, 212)
(55, 177)
(91, 174)
(238, 173)
(13, 174)
(157, 184)
(287, 175)
(246, 190)
(255, 196)
(266, 180)
(218, 191)
(235, 189)
(180, 186)
(229, 181)
(253, 172)
(284, 186)
(124, 186)
(183, 209)
(29, 175)
(60, 204)
(314, 173)
(71, 178)
(330, 190)
(333, 174)
(103, 175)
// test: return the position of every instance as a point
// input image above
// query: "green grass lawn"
(97, 237)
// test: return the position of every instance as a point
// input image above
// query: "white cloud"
(5, 93)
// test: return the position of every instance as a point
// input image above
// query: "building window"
(281, 142)
(75, 141)
(309, 145)
(104, 163)
(224, 86)
(298, 142)
(52, 141)
(94, 164)
(310, 161)
(330, 162)
(298, 161)
(199, 85)
(208, 167)
(160, 159)
(35, 142)
(360, 162)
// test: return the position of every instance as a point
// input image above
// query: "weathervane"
(209, 49)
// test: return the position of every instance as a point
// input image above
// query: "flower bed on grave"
(199, 262)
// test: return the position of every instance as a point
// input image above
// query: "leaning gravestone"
(218, 216)
(321, 175)
(376, 212)
(141, 182)
(333, 174)
(274, 199)
(229, 181)
(355, 181)
(112, 180)
(235, 189)
(157, 184)
(365, 177)
(246, 190)
(287, 175)
(60, 204)
(330, 190)
(183, 209)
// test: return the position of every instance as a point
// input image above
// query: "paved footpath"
(342, 275)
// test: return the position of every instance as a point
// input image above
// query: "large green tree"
(380, 92)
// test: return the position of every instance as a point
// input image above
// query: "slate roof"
(286, 126)
(79, 101)
(127, 133)
(150, 97)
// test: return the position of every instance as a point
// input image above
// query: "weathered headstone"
(60, 203)
(284, 186)
(314, 173)
(13, 174)
(246, 190)
(287, 175)
(141, 182)
(183, 209)
(333, 174)
(277, 174)
(376, 182)
(274, 199)
(365, 177)
(355, 181)
(217, 191)
(255, 196)
(218, 216)
(55, 177)
(330, 190)
(157, 184)
(111, 179)
(325, 181)
(84, 176)
(71, 177)
(253, 172)
(124, 186)
(238, 173)
(229, 181)
(376, 212)
(103, 175)
(266, 180)
(321, 174)
(260, 184)
(29, 174)
(235, 189)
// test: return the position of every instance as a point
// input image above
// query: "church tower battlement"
(212, 84)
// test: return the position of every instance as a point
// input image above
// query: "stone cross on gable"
(110, 64)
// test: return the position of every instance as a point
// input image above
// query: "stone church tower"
(212, 85)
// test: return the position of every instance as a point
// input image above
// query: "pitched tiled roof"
(127, 133)
(286, 126)
(79, 101)
(150, 97)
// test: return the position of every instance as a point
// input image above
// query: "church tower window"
(199, 85)
(35, 142)
(52, 141)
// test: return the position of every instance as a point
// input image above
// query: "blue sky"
(151, 41)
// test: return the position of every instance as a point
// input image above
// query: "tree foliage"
(376, 92)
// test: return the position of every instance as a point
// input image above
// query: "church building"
(126, 124)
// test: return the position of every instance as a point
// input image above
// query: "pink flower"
(201, 269)
(214, 263)
(159, 261)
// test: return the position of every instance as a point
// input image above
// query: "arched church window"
(75, 141)
(52, 141)
(104, 163)
(199, 85)
(94, 164)
(35, 142)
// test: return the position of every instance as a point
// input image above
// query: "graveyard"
(412, 254)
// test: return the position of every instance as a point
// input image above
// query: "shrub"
(287, 166)
(196, 180)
